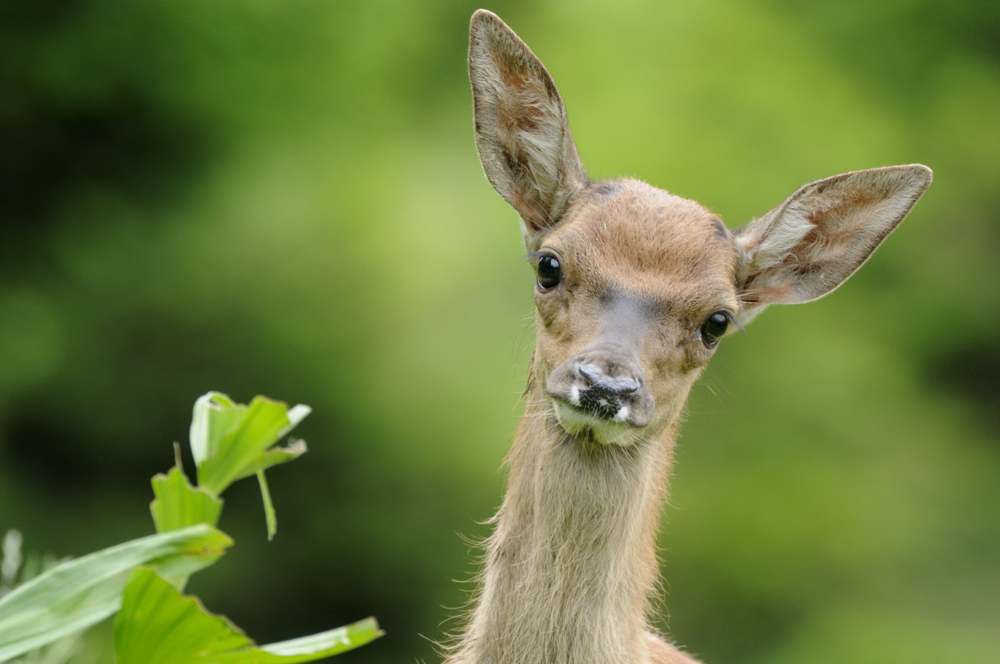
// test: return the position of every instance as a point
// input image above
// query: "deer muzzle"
(598, 388)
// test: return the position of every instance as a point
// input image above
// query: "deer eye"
(549, 272)
(713, 328)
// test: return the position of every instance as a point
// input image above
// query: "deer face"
(635, 286)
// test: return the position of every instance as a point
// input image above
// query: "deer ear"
(811, 243)
(523, 139)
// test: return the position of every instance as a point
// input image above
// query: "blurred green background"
(284, 198)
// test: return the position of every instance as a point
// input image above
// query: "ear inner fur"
(811, 243)
(522, 135)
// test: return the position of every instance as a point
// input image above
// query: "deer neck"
(571, 566)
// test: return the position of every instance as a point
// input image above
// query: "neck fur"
(571, 566)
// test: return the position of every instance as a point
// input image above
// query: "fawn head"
(636, 286)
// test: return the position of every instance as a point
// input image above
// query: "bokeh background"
(284, 198)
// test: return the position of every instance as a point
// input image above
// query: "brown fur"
(571, 566)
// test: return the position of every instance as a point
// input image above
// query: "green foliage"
(82, 592)
(231, 441)
(158, 625)
(16, 569)
(154, 622)
(178, 504)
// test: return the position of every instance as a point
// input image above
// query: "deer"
(635, 288)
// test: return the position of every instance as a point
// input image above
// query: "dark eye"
(713, 328)
(549, 272)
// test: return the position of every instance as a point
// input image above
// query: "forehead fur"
(629, 234)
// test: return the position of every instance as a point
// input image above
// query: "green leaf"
(214, 415)
(158, 625)
(240, 446)
(275, 456)
(230, 441)
(79, 593)
(317, 646)
(178, 504)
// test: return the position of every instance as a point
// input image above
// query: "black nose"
(601, 394)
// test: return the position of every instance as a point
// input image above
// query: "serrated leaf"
(231, 441)
(79, 593)
(178, 504)
(159, 625)
(275, 456)
(241, 449)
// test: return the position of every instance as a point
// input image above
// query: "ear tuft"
(815, 240)
(522, 135)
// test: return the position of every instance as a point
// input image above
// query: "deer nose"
(605, 384)
(601, 394)
(594, 379)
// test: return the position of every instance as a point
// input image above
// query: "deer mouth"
(604, 422)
